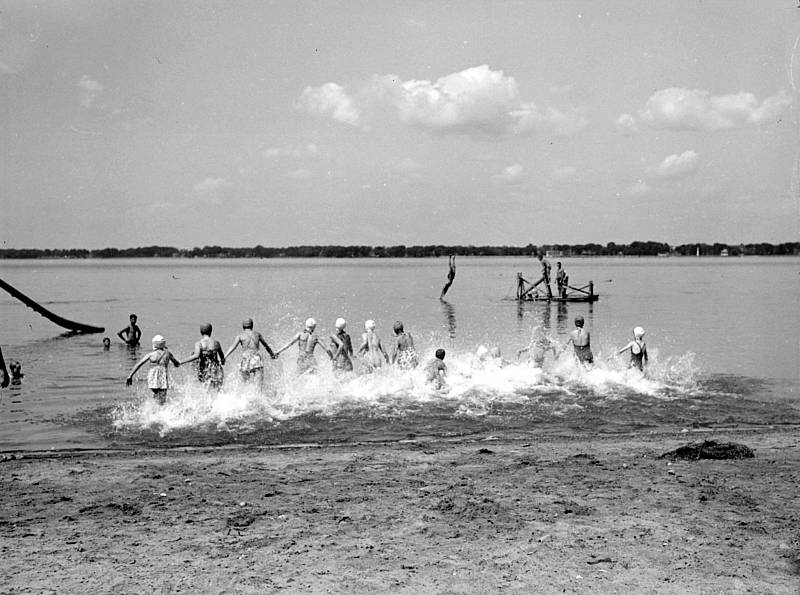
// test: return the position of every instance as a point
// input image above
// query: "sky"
(193, 123)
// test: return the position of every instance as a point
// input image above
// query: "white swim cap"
(340, 323)
(369, 325)
(638, 332)
(310, 322)
(482, 352)
(159, 341)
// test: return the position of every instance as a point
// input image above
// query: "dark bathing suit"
(209, 369)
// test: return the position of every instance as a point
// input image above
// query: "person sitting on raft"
(131, 333)
(210, 359)
(638, 350)
(251, 366)
(306, 343)
(371, 347)
(157, 376)
(403, 353)
(581, 342)
(342, 348)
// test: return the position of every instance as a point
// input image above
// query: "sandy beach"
(504, 513)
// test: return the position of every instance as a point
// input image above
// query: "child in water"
(306, 343)
(131, 333)
(342, 348)
(404, 354)
(638, 350)
(157, 376)
(374, 354)
(436, 370)
(210, 359)
(581, 342)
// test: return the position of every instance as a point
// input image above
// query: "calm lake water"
(722, 335)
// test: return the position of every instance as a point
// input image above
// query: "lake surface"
(722, 334)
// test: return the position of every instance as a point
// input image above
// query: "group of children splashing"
(210, 358)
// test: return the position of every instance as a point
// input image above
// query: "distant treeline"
(553, 250)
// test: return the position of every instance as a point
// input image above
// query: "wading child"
(436, 370)
(131, 333)
(210, 359)
(157, 375)
(638, 350)
(404, 354)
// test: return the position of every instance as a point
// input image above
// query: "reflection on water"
(450, 317)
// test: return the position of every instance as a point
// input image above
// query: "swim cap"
(398, 327)
(341, 323)
(159, 341)
(481, 352)
(369, 325)
(638, 332)
(310, 323)
(440, 354)
(247, 323)
(579, 320)
(205, 329)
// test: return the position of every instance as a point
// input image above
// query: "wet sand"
(507, 513)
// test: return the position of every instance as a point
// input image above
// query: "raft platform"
(529, 292)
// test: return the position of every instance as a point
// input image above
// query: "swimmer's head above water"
(205, 329)
(579, 321)
(247, 323)
(638, 332)
(440, 354)
(341, 323)
(398, 327)
(311, 324)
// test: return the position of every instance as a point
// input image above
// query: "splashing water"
(476, 388)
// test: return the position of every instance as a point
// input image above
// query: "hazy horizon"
(472, 123)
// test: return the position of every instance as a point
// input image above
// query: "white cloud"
(640, 188)
(627, 123)
(692, 109)
(513, 174)
(677, 165)
(211, 190)
(90, 89)
(477, 101)
(330, 100)
(563, 173)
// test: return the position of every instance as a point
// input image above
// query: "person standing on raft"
(451, 274)
(306, 343)
(545, 275)
(638, 350)
(210, 359)
(581, 342)
(157, 376)
(251, 366)
(561, 281)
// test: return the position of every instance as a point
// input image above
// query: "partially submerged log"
(77, 327)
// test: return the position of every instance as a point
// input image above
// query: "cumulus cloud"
(211, 190)
(89, 89)
(330, 100)
(477, 101)
(692, 109)
(513, 174)
(677, 165)
(627, 123)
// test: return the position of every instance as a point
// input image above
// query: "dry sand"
(504, 514)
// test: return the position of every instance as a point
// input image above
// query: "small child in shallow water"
(157, 375)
